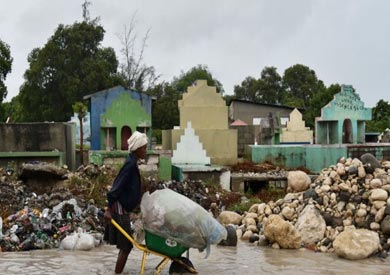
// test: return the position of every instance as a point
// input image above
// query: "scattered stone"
(355, 199)
(229, 217)
(370, 162)
(385, 225)
(356, 244)
(231, 239)
(297, 181)
(310, 225)
(279, 231)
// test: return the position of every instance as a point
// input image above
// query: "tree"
(248, 89)
(5, 67)
(267, 89)
(136, 74)
(300, 84)
(380, 117)
(81, 110)
(165, 113)
(69, 66)
(270, 86)
(186, 79)
(319, 100)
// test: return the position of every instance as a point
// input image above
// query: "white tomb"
(190, 150)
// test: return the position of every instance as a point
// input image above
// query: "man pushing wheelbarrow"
(172, 222)
(124, 197)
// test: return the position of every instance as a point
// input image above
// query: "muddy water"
(244, 259)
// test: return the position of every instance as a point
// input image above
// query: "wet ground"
(244, 259)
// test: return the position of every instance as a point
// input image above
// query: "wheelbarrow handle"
(117, 226)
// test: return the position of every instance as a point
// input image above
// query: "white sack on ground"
(78, 241)
(173, 216)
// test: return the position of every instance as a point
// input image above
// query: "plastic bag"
(78, 241)
(69, 242)
(85, 241)
(173, 216)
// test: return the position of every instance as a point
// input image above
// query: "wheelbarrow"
(168, 249)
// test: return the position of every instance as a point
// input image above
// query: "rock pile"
(345, 210)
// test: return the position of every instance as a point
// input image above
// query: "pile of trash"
(38, 221)
(50, 208)
(31, 228)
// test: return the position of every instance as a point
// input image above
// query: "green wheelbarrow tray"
(168, 249)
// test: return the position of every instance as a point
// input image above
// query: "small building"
(264, 122)
(253, 112)
(207, 112)
(343, 120)
(115, 114)
(295, 131)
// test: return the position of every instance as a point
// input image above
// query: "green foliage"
(247, 90)
(300, 84)
(241, 207)
(5, 111)
(319, 100)
(157, 134)
(270, 86)
(380, 117)
(267, 89)
(165, 110)
(69, 66)
(5, 67)
(80, 109)
(187, 79)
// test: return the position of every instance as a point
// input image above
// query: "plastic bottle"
(45, 213)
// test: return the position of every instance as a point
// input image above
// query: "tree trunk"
(81, 139)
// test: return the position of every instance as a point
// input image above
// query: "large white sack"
(173, 216)
(78, 241)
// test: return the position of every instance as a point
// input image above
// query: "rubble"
(34, 220)
(350, 195)
(46, 207)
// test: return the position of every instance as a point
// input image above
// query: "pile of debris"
(30, 219)
(47, 205)
(348, 203)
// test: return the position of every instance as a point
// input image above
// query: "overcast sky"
(343, 41)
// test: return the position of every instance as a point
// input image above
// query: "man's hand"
(107, 214)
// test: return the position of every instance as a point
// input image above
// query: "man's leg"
(121, 261)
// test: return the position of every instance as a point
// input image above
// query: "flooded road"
(245, 259)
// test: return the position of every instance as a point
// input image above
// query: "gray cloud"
(342, 41)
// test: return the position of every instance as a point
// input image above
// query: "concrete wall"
(37, 138)
(204, 107)
(220, 145)
(208, 113)
(314, 157)
(166, 136)
(295, 130)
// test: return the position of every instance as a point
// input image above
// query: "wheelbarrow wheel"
(182, 265)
